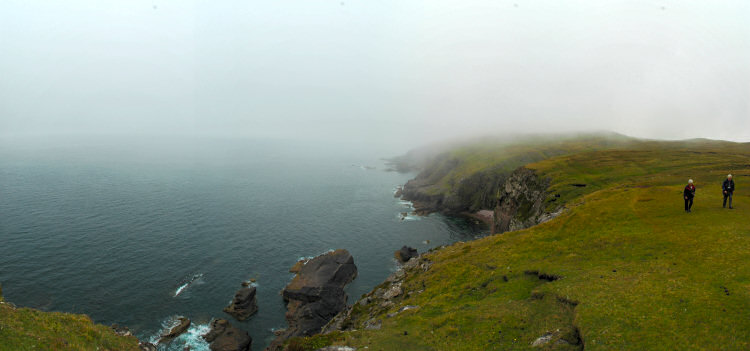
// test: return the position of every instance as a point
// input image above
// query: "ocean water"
(138, 231)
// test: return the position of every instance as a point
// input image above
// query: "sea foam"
(192, 339)
(187, 284)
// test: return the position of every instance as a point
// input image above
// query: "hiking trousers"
(688, 203)
(728, 195)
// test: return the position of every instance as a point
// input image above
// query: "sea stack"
(244, 304)
(316, 294)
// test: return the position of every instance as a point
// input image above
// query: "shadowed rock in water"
(244, 304)
(406, 253)
(316, 294)
(225, 337)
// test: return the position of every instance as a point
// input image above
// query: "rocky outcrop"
(467, 194)
(121, 330)
(420, 190)
(364, 313)
(181, 326)
(522, 202)
(244, 304)
(405, 254)
(225, 337)
(316, 294)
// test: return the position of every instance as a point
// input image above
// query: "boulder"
(182, 326)
(225, 337)
(316, 294)
(406, 253)
(244, 304)
(393, 291)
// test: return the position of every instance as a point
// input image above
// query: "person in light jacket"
(689, 194)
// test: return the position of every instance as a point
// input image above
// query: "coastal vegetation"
(622, 267)
(619, 265)
(29, 329)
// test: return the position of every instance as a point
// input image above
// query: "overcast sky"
(371, 70)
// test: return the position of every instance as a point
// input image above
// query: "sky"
(375, 70)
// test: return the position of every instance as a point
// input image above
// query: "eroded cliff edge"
(518, 199)
(468, 178)
(524, 201)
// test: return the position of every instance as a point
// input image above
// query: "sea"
(136, 231)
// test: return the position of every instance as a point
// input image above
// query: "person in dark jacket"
(728, 188)
(689, 194)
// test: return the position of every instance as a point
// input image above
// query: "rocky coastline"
(520, 199)
(315, 298)
(362, 314)
(316, 294)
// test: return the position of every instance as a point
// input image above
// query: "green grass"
(637, 273)
(311, 343)
(500, 157)
(28, 329)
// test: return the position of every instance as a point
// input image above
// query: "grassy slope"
(504, 157)
(637, 272)
(29, 329)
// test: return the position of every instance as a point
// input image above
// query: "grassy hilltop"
(29, 329)
(623, 268)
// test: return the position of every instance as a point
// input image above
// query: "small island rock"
(183, 323)
(244, 304)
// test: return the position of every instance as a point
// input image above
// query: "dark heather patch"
(567, 301)
(543, 276)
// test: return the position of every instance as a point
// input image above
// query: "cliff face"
(469, 193)
(518, 199)
(471, 177)
(522, 202)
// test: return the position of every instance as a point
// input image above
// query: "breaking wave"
(187, 284)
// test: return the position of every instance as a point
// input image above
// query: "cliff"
(470, 176)
(622, 267)
(524, 201)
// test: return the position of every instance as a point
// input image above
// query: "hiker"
(728, 188)
(689, 194)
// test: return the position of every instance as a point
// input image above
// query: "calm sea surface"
(138, 231)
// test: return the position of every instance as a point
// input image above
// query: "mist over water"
(155, 154)
(138, 231)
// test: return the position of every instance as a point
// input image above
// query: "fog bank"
(362, 71)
